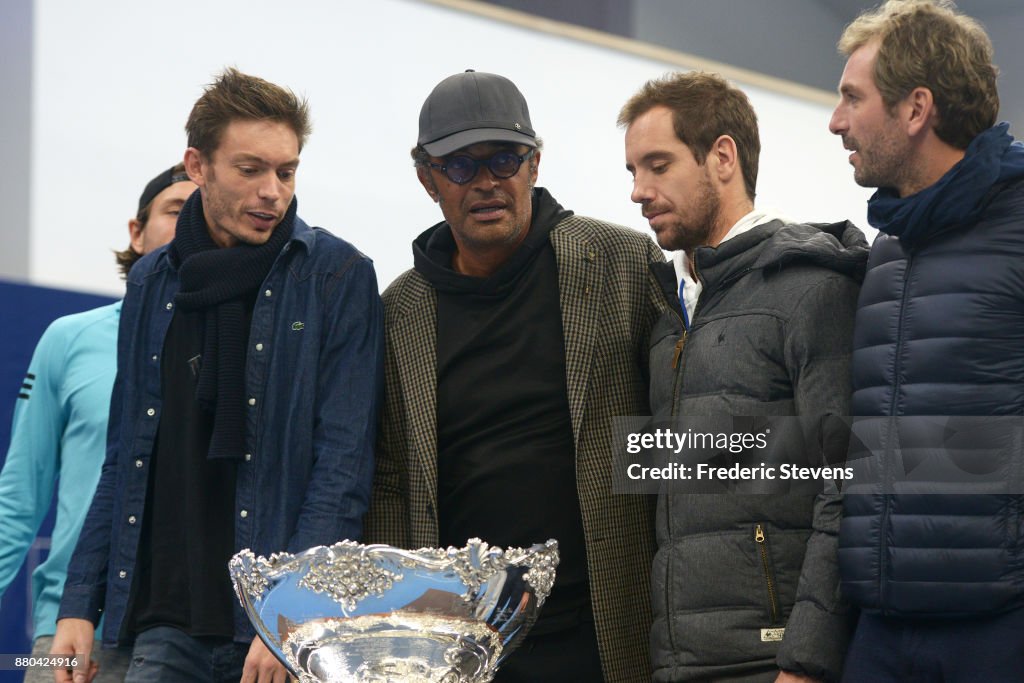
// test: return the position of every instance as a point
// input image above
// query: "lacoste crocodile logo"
(298, 326)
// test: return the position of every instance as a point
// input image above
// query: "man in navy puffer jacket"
(939, 579)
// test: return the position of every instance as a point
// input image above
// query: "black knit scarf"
(219, 282)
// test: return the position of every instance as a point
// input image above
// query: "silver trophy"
(352, 613)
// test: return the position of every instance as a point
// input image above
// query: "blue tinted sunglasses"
(462, 168)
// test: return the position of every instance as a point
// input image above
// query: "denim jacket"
(313, 383)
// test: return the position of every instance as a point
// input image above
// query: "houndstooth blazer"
(609, 302)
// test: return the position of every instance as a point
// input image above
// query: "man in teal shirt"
(59, 433)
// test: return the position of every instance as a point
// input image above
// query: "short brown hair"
(234, 96)
(927, 43)
(128, 256)
(704, 107)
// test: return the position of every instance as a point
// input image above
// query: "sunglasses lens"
(461, 169)
(504, 164)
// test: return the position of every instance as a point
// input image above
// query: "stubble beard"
(482, 238)
(219, 211)
(885, 164)
(698, 233)
(484, 241)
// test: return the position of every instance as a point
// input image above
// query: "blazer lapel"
(415, 346)
(581, 289)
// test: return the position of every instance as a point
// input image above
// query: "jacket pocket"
(770, 585)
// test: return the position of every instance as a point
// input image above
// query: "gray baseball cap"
(473, 107)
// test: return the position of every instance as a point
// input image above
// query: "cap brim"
(457, 141)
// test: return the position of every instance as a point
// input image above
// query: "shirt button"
(122, 574)
(154, 357)
(138, 464)
(267, 293)
(131, 519)
(151, 412)
(243, 514)
(169, 305)
(259, 347)
(252, 401)
(248, 457)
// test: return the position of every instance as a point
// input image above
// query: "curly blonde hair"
(928, 43)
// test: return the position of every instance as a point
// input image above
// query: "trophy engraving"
(349, 577)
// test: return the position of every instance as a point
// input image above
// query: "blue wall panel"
(25, 312)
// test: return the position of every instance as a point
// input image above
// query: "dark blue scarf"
(957, 198)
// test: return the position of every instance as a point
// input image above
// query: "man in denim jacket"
(244, 411)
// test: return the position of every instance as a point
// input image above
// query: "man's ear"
(534, 168)
(427, 181)
(135, 235)
(724, 159)
(918, 111)
(195, 166)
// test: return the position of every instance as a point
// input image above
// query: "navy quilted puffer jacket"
(940, 331)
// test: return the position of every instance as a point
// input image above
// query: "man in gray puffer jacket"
(744, 587)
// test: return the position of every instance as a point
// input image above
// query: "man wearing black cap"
(153, 225)
(245, 407)
(520, 332)
(60, 429)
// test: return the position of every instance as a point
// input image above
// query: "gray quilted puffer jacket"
(771, 336)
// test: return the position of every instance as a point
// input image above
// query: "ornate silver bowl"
(352, 613)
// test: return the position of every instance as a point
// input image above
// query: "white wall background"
(114, 80)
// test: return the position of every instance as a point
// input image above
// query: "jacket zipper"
(679, 350)
(677, 378)
(886, 500)
(681, 344)
(762, 546)
(899, 335)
